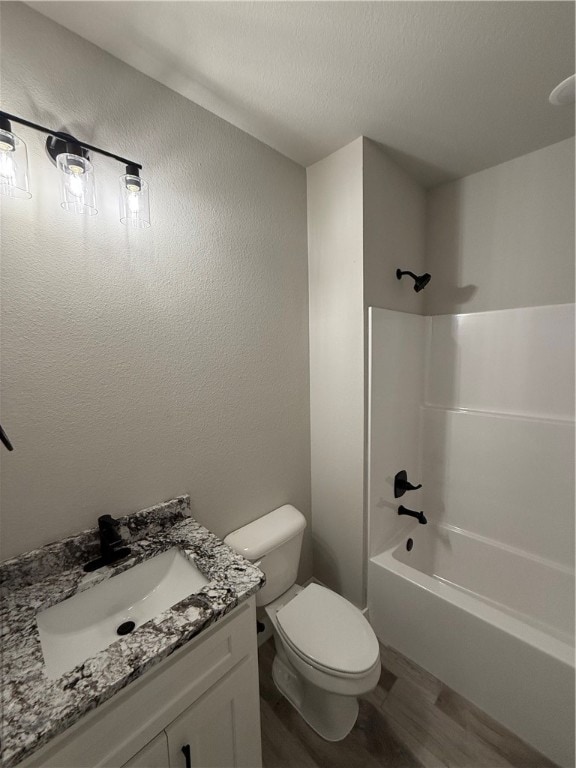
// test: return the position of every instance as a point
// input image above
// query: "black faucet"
(401, 484)
(112, 546)
(418, 515)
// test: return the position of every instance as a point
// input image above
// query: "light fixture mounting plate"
(57, 144)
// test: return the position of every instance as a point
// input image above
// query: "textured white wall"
(140, 365)
(504, 237)
(337, 369)
(394, 229)
(365, 218)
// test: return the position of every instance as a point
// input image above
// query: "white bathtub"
(494, 623)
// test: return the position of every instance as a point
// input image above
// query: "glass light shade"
(13, 166)
(134, 202)
(78, 194)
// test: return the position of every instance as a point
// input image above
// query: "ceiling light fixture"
(77, 185)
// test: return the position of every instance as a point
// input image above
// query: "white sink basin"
(76, 629)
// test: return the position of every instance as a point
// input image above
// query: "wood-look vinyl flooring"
(411, 720)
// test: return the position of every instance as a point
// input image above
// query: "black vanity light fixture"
(420, 281)
(73, 159)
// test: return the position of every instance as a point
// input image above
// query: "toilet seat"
(329, 633)
(332, 673)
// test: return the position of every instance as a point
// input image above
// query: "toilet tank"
(273, 543)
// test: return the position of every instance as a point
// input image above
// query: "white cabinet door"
(222, 728)
(153, 755)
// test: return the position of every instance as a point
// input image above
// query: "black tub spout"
(418, 515)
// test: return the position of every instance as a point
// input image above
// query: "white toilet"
(326, 652)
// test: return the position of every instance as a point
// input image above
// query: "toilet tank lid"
(265, 534)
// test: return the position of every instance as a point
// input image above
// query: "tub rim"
(467, 601)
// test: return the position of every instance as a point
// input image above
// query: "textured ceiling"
(449, 87)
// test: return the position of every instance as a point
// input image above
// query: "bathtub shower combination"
(479, 408)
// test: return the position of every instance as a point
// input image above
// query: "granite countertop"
(36, 708)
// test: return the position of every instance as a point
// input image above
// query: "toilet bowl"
(326, 655)
(326, 651)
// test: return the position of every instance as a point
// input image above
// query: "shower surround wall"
(498, 427)
(479, 407)
(502, 238)
(498, 239)
(500, 384)
(137, 365)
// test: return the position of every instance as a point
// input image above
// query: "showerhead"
(420, 281)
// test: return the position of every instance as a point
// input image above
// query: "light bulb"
(134, 202)
(13, 164)
(76, 184)
(7, 168)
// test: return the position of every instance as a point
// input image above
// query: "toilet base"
(331, 715)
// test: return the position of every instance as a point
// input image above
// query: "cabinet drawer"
(112, 733)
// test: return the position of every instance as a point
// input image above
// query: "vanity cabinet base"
(204, 696)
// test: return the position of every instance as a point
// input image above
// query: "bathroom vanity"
(204, 698)
(181, 690)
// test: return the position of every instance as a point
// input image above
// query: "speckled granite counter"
(34, 708)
